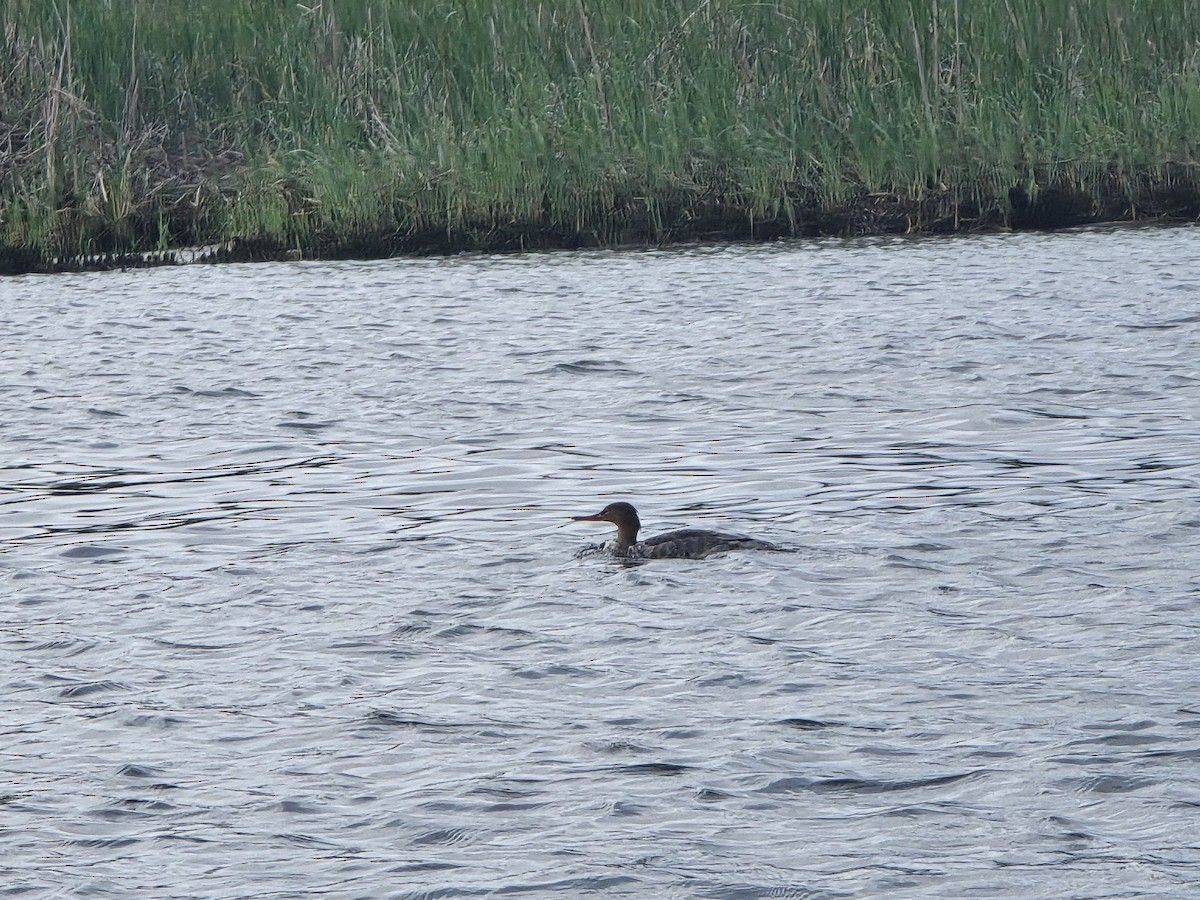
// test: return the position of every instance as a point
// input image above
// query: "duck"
(685, 543)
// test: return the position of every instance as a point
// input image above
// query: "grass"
(382, 126)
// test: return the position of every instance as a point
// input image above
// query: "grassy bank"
(381, 126)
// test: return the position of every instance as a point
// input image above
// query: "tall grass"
(326, 126)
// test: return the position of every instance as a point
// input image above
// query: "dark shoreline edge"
(1159, 197)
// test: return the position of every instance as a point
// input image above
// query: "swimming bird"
(686, 543)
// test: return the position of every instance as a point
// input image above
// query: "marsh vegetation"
(388, 126)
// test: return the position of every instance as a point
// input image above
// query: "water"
(292, 607)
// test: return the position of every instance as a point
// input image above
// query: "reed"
(388, 125)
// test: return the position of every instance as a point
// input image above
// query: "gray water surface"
(291, 605)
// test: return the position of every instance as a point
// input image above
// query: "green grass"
(328, 127)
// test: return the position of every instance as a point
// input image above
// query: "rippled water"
(292, 607)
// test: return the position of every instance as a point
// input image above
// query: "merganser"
(687, 543)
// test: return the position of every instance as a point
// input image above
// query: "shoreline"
(1166, 201)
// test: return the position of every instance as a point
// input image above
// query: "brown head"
(623, 515)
